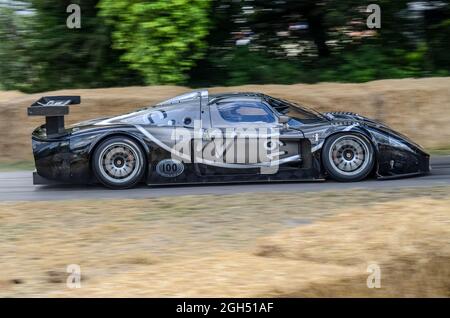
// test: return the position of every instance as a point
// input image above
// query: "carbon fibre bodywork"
(68, 157)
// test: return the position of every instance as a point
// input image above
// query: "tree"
(52, 56)
(14, 63)
(437, 32)
(290, 41)
(162, 39)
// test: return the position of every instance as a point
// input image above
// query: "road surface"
(18, 186)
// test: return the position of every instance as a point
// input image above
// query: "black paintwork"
(66, 157)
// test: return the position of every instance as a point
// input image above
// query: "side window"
(245, 112)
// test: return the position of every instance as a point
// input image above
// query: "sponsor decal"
(169, 168)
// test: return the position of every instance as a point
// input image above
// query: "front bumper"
(394, 163)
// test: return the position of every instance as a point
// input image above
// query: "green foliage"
(241, 66)
(14, 62)
(194, 42)
(368, 63)
(334, 46)
(439, 44)
(43, 54)
(361, 64)
(162, 39)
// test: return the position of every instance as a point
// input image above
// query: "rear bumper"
(57, 162)
(40, 180)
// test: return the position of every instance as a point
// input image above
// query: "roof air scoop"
(185, 97)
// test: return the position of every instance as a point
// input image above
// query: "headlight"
(399, 144)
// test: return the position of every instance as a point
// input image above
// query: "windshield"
(293, 110)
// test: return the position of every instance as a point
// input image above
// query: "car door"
(243, 139)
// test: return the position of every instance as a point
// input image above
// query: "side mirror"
(283, 119)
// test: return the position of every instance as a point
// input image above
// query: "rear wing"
(54, 108)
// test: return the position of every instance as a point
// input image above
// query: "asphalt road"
(18, 186)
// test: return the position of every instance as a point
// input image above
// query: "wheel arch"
(357, 131)
(134, 137)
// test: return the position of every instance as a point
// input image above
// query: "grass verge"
(16, 166)
(291, 244)
(442, 151)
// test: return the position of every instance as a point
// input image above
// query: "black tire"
(348, 157)
(118, 163)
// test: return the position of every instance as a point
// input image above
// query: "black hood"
(358, 119)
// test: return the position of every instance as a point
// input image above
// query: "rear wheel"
(118, 163)
(348, 157)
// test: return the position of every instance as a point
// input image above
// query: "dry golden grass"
(420, 108)
(301, 245)
(9, 95)
(408, 239)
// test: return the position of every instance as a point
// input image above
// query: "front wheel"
(118, 163)
(348, 157)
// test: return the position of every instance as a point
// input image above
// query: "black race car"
(202, 138)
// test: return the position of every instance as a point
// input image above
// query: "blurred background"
(218, 42)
